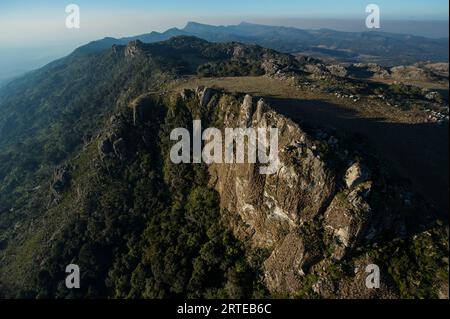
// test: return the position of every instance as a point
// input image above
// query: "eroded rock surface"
(274, 210)
(313, 216)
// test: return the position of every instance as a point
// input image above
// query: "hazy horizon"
(34, 33)
(43, 21)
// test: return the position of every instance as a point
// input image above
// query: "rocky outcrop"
(276, 211)
(356, 174)
(311, 215)
(133, 49)
(246, 112)
(337, 70)
(112, 143)
(284, 266)
(421, 71)
(280, 69)
(346, 219)
(271, 205)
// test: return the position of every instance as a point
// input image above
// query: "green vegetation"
(147, 229)
(400, 88)
(416, 264)
(230, 68)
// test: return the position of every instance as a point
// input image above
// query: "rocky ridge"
(308, 215)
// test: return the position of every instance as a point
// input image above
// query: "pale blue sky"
(398, 9)
(42, 21)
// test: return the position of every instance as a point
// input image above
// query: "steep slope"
(47, 115)
(140, 226)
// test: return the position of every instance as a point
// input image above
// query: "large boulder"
(356, 174)
(346, 219)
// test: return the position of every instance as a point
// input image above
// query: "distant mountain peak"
(245, 23)
(342, 46)
(192, 24)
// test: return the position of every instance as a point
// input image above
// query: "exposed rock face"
(271, 211)
(355, 289)
(133, 49)
(421, 71)
(346, 218)
(113, 143)
(272, 205)
(374, 70)
(277, 68)
(271, 67)
(356, 175)
(284, 266)
(246, 112)
(308, 216)
(260, 109)
(337, 70)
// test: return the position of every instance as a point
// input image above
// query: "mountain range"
(372, 46)
(86, 177)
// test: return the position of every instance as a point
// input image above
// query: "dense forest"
(143, 227)
(135, 210)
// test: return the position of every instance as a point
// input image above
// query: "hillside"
(86, 178)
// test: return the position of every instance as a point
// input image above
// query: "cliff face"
(312, 215)
(273, 211)
(275, 203)
(145, 227)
